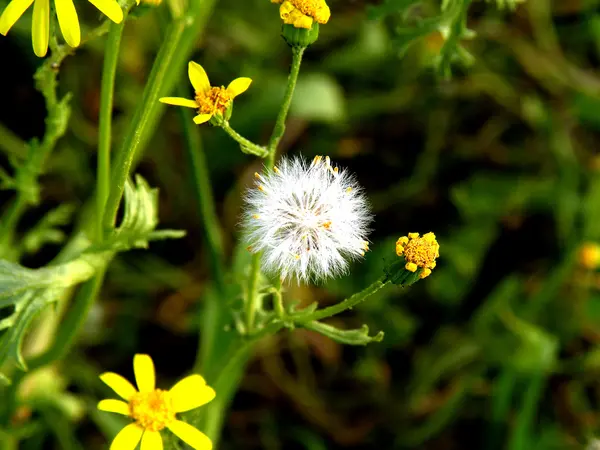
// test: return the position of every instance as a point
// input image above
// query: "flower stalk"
(279, 128)
(253, 300)
(111, 58)
(246, 145)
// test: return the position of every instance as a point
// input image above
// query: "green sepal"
(359, 336)
(396, 273)
(300, 37)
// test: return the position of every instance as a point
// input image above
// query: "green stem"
(72, 323)
(349, 303)
(140, 122)
(210, 317)
(522, 437)
(111, 58)
(196, 161)
(279, 128)
(228, 380)
(253, 298)
(246, 145)
(278, 300)
(179, 42)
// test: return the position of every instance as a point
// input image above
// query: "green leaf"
(140, 217)
(46, 230)
(358, 336)
(28, 291)
(24, 292)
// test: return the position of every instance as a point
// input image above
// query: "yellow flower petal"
(110, 8)
(118, 384)
(201, 118)
(190, 435)
(12, 13)
(143, 368)
(198, 77)
(128, 438)
(40, 29)
(151, 440)
(190, 393)
(115, 406)
(68, 21)
(285, 9)
(178, 101)
(238, 86)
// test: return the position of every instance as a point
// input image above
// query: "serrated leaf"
(29, 291)
(46, 231)
(140, 217)
(358, 336)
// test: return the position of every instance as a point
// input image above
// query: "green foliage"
(24, 292)
(349, 337)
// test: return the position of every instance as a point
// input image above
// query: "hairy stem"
(71, 323)
(246, 145)
(279, 128)
(111, 58)
(179, 42)
(349, 303)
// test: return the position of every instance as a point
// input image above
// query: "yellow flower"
(209, 101)
(589, 255)
(67, 19)
(419, 252)
(154, 409)
(302, 13)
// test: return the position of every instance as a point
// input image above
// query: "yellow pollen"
(256, 216)
(336, 170)
(419, 252)
(256, 175)
(276, 170)
(365, 245)
(317, 159)
(297, 256)
(317, 9)
(261, 188)
(249, 248)
(327, 225)
(215, 101)
(152, 410)
(348, 190)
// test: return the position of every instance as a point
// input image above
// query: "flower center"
(418, 251)
(216, 100)
(316, 9)
(152, 410)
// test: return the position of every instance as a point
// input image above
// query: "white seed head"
(309, 220)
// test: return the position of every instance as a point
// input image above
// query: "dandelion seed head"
(308, 219)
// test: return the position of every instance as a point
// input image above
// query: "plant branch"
(111, 58)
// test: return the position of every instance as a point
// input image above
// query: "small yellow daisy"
(209, 100)
(67, 19)
(154, 409)
(419, 252)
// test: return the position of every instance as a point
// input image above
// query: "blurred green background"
(490, 145)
